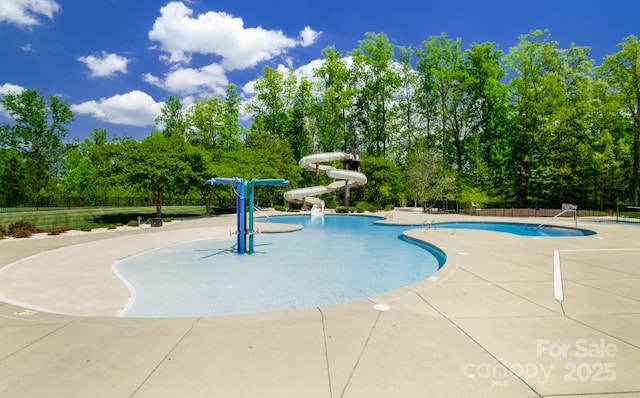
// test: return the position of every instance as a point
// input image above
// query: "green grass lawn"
(96, 217)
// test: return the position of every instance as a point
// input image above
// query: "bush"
(389, 207)
(361, 207)
(168, 219)
(23, 226)
(3, 231)
(112, 226)
(58, 230)
(133, 223)
(342, 209)
(280, 208)
(86, 228)
(22, 233)
(332, 204)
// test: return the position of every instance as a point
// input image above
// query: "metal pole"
(250, 232)
(242, 221)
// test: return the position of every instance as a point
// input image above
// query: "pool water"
(332, 259)
(522, 229)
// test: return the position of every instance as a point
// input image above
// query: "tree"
(230, 135)
(441, 63)
(207, 119)
(376, 83)
(272, 101)
(297, 132)
(426, 176)
(162, 164)
(489, 152)
(537, 91)
(622, 72)
(172, 118)
(384, 181)
(333, 103)
(88, 168)
(37, 134)
(409, 119)
(215, 122)
(13, 190)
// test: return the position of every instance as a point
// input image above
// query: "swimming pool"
(335, 258)
(332, 259)
(522, 229)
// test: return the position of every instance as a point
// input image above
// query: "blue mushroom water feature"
(244, 206)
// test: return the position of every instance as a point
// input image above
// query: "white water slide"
(346, 178)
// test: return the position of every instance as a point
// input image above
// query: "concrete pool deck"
(486, 324)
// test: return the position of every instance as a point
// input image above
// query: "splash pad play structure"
(347, 178)
(244, 189)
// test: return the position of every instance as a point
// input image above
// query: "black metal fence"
(57, 203)
(621, 214)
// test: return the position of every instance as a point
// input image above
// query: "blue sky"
(116, 61)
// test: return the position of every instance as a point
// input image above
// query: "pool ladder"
(427, 225)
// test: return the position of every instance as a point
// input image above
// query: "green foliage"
(112, 226)
(389, 207)
(427, 178)
(172, 120)
(98, 217)
(342, 209)
(35, 139)
(3, 231)
(214, 121)
(473, 196)
(133, 223)
(372, 72)
(162, 165)
(538, 125)
(332, 203)
(384, 180)
(622, 72)
(361, 207)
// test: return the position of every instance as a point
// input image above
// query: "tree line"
(538, 125)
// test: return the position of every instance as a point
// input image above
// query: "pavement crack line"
(326, 351)
(364, 347)
(165, 357)
(515, 375)
(37, 340)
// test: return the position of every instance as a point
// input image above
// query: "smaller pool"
(522, 229)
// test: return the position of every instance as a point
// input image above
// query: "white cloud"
(210, 79)
(219, 34)
(132, 109)
(9, 88)
(27, 47)
(308, 69)
(308, 36)
(105, 65)
(304, 71)
(26, 12)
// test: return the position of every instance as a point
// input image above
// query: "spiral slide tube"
(312, 163)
